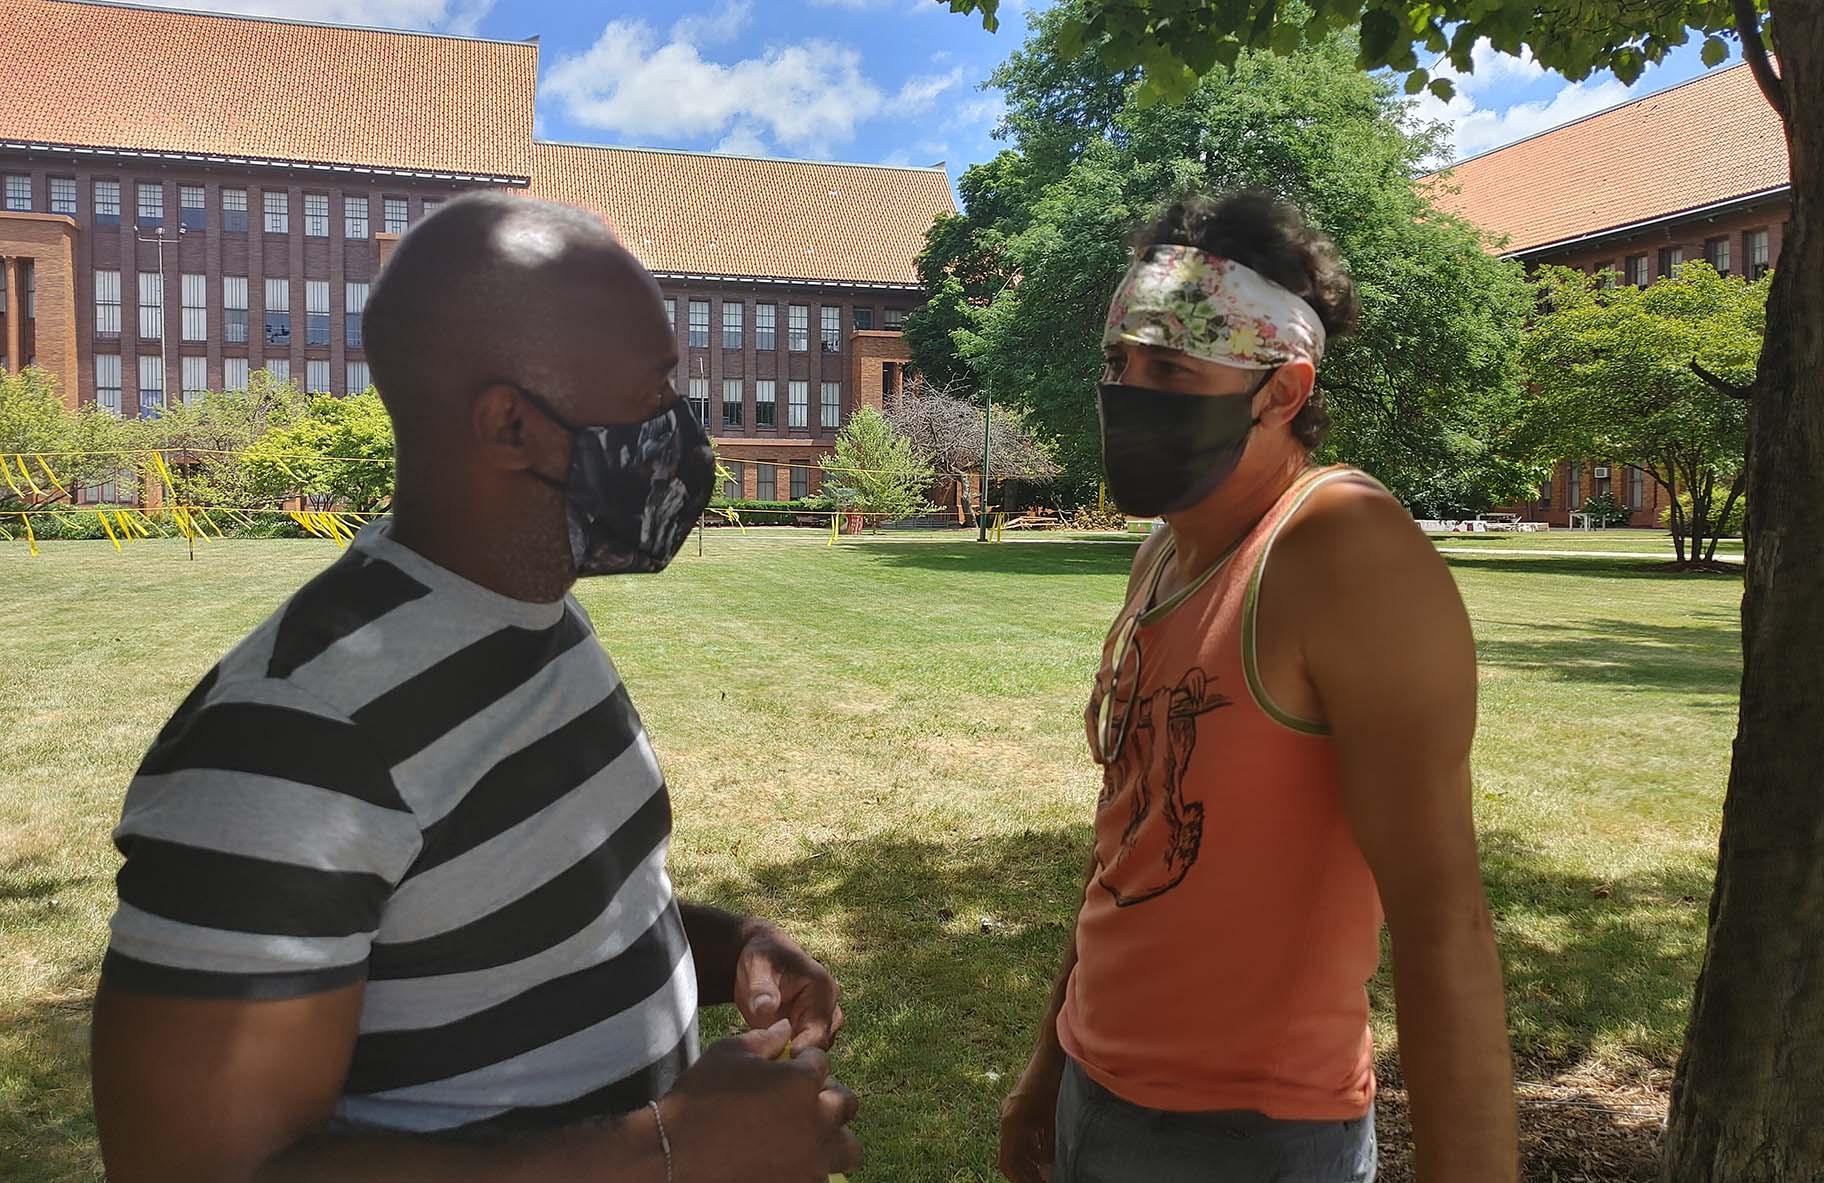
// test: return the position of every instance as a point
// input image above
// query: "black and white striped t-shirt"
(406, 779)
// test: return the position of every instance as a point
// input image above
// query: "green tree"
(81, 448)
(338, 455)
(1022, 278)
(1610, 369)
(204, 441)
(1749, 1085)
(874, 470)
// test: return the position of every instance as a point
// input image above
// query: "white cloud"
(985, 111)
(713, 28)
(1474, 128)
(742, 141)
(921, 90)
(462, 17)
(807, 96)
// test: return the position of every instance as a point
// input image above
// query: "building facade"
(1695, 172)
(162, 240)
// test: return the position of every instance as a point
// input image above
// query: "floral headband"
(1179, 297)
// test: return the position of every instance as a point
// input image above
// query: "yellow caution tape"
(51, 476)
(31, 541)
(109, 529)
(26, 473)
(6, 470)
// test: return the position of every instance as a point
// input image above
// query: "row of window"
(192, 213)
(195, 378)
(766, 324)
(276, 312)
(1633, 490)
(766, 403)
(1755, 245)
(766, 481)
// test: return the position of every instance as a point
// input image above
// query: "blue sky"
(878, 81)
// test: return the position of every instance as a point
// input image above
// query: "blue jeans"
(1103, 1139)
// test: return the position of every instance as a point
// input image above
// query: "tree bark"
(1749, 1093)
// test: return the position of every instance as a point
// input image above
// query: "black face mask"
(1164, 452)
(634, 490)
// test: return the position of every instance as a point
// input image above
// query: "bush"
(1088, 517)
(760, 513)
(1604, 510)
(1738, 516)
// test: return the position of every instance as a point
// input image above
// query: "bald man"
(395, 902)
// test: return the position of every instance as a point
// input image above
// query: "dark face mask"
(1164, 452)
(634, 490)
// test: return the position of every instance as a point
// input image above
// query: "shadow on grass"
(1646, 567)
(47, 1123)
(1703, 656)
(1013, 558)
(947, 950)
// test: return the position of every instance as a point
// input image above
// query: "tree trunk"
(1747, 1102)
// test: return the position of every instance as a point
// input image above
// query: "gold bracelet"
(664, 1141)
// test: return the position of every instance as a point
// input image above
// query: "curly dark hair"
(1258, 230)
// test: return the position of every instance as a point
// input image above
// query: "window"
(894, 319)
(151, 205)
(151, 305)
(107, 204)
(1573, 486)
(192, 213)
(394, 209)
(234, 211)
(1637, 489)
(279, 369)
(671, 312)
(731, 324)
(63, 195)
(196, 308)
(1604, 273)
(699, 324)
(798, 404)
(316, 315)
(196, 378)
(766, 403)
(316, 215)
(1754, 245)
(358, 379)
(1716, 253)
(278, 212)
(18, 192)
(107, 306)
(1545, 494)
(801, 482)
(864, 319)
(30, 270)
(354, 299)
(107, 382)
(234, 373)
(151, 385)
(798, 328)
(354, 217)
(278, 312)
(699, 399)
(234, 310)
(766, 333)
(431, 205)
(832, 404)
(316, 376)
(832, 328)
(731, 488)
(733, 397)
(1637, 270)
(766, 483)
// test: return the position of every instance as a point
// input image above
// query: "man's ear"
(500, 428)
(1285, 394)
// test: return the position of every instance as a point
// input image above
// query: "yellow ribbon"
(108, 529)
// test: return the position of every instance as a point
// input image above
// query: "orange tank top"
(1230, 929)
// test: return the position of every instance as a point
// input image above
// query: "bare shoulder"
(1146, 556)
(1352, 527)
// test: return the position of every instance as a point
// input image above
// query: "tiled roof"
(686, 213)
(1702, 143)
(149, 79)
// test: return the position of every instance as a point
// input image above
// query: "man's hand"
(775, 979)
(742, 1114)
(1029, 1118)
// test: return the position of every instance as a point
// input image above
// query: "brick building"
(1698, 171)
(167, 229)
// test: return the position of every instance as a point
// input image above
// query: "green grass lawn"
(879, 744)
(1653, 542)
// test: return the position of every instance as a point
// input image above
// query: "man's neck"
(455, 539)
(1204, 533)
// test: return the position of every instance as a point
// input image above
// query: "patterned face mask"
(634, 490)
(1178, 297)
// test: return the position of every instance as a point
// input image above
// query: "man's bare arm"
(1388, 647)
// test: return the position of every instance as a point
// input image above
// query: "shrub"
(760, 513)
(1738, 516)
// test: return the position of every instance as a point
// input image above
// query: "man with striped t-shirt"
(395, 902)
